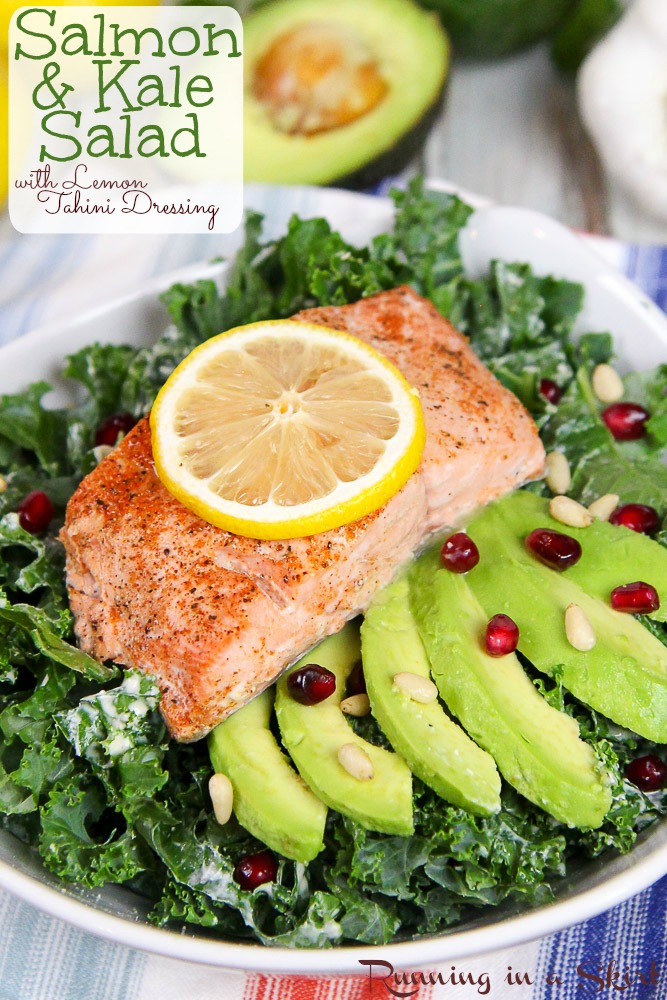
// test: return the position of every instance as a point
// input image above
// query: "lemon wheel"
(281, 429)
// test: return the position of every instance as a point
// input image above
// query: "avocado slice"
(610, 554)
(363, 122)
(536, 747)
(270, 799)
(624, 676)
(436, 749)
(313, 735)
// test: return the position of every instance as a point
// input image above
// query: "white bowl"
(640, 333)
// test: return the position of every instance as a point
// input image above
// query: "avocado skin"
(270, 801)
(537, 748)
(611, 554)
(313, 734)
(624, 676)
(489, 29)
(397, 157)
(435, 748)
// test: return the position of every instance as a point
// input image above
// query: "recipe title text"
(121, 93)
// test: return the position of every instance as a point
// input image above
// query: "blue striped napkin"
(621, 952)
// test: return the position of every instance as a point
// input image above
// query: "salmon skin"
(215, 617)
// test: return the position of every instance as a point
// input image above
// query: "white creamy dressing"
(302, 886)
(101, 712)
(131, 684)
(214, 880)
(118, 745)
(107, 703)
(330, 929)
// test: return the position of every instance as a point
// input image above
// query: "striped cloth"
(45, 279)
(44, 959)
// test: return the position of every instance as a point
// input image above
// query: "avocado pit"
(316, 77)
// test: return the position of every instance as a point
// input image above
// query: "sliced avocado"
(537, 748)
(624, 676)
(610, 554)
(270, 799)
(339, 91)
(313, 735)
(436, 749)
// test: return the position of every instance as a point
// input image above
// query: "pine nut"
(568, 511)
(578, 629)
(558, 475)
(604, 506)
(222, 796)
(3, 484)
(418, 687)
(357, 705)
(356, 762)
(607, 384)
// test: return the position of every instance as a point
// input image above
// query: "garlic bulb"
(622, 94)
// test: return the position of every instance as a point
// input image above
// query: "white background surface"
(510, 131)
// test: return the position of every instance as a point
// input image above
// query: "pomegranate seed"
(459, 553)
(110, 429)
(647, 773)
(554, 548)
(626, 421)
(356, 682)
(256, 869)
(551, 391)
(636, 516)
(311, 684)
(636, 598)
(502, 636)
(35, 512)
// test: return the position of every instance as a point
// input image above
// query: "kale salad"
(88, 775)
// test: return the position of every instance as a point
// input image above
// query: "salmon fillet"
(216, 617)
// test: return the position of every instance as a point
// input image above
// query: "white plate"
(640, 332)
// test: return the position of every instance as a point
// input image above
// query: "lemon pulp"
(284, 428)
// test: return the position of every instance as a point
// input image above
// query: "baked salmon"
(216, 617)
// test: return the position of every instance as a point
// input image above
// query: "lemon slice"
(281, 429)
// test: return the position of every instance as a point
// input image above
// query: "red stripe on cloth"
(255, 988)
(261, 987)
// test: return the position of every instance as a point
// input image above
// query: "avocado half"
(405, 49)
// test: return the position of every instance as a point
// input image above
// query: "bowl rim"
(253, 957)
